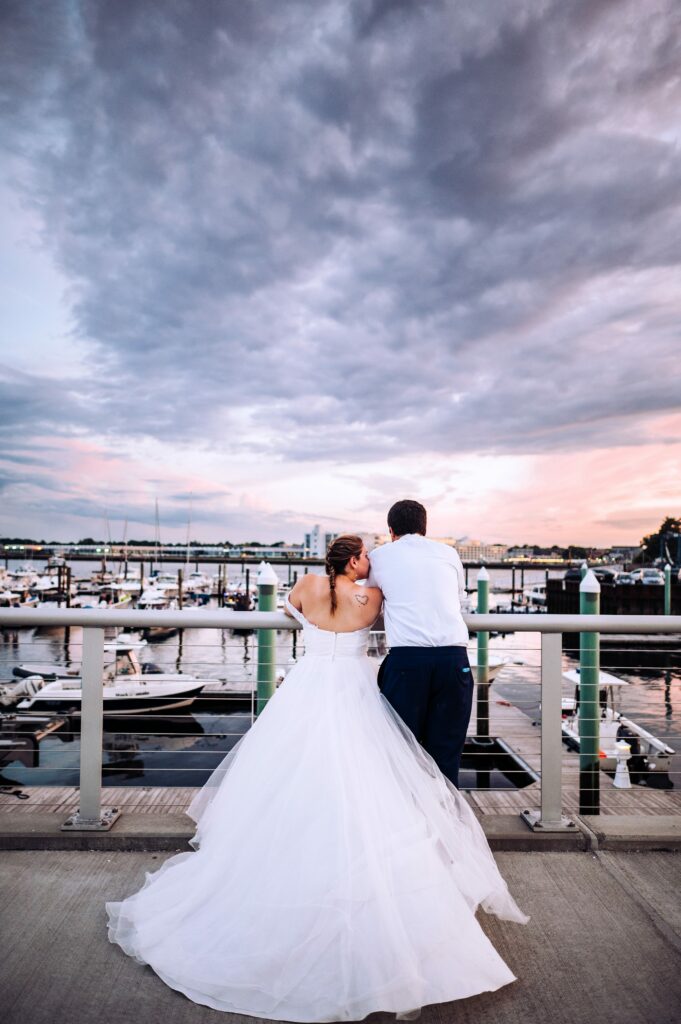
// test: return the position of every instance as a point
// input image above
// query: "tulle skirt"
(336, 871)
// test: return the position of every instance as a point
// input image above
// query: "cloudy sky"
(284, 263)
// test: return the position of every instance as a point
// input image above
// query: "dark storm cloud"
(377, 226)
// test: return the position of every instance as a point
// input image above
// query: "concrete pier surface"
(603, 945)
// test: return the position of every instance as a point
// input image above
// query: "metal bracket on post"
(549, 818)
(90, 817)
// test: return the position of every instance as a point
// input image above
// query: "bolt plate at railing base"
(533, 820)
(102, 824)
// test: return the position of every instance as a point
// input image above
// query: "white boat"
(648, 753)
(165, 582)
(21, 578)
(536, 595)
(130, 584)
(198, 584)
(127, 690)
(153, 597)
(45, 584)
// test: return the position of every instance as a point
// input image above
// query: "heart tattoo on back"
(362, 598)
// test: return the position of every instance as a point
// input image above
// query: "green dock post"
(589, 704)
(667, 589)
(482, 670)
(584, 568)
(267, 638)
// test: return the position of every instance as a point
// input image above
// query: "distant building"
(478, 551)
(317, 542)
(262, 551)
(374, 540)
(472, 550)
(624, 552)
(520, 553)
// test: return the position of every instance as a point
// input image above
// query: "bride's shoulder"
(372, 596)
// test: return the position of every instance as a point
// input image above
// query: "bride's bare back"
(357, 606)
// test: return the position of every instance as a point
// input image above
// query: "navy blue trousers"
(431, 689)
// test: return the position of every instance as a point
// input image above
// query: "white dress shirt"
(424, 586)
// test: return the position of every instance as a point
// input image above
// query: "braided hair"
(340, 551)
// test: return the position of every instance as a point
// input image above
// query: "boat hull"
(112, 705)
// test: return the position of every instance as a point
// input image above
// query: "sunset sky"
(285, 263)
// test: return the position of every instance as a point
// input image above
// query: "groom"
(426, 676)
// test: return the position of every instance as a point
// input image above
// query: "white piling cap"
(667, 567)
(266, 575)
(589, 584)
(584, 565)
(483, 575)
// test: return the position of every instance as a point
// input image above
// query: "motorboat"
(648, 753)
(130, 583)
(127, 690)
(198, 584)
(536, 595)
(165, 582)
(154, 597)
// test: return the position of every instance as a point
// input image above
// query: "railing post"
(482, 670)
(667, 589)
(267, 638)
(550, 818)
(589, 703)
(90, 817)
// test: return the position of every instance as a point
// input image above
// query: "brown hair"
(407, 516)
(340, 551)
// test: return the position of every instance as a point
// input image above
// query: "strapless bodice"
(323, 643)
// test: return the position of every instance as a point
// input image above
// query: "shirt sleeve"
(458, 565)
(373, 578)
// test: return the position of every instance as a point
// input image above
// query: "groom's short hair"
(407, 517)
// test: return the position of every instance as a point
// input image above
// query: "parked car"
(652, 577)
(573, 573)
(625, 579)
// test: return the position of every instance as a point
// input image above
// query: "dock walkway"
(603, 943)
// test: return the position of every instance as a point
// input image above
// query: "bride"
(336, 871)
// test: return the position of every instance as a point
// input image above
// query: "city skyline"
(280, 265)
(307, 541)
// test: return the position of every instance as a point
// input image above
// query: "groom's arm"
(461, 577)
(372, 581)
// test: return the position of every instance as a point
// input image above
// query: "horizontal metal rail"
(227, 619)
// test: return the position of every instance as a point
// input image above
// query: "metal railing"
(549, 816)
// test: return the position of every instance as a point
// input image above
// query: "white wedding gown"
(337, 872)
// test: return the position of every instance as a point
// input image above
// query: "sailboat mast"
(189, 527)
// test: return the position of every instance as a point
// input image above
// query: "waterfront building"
(520, 553)
(275, 551)
(471, 550)
(317, 542)
(624, 553)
